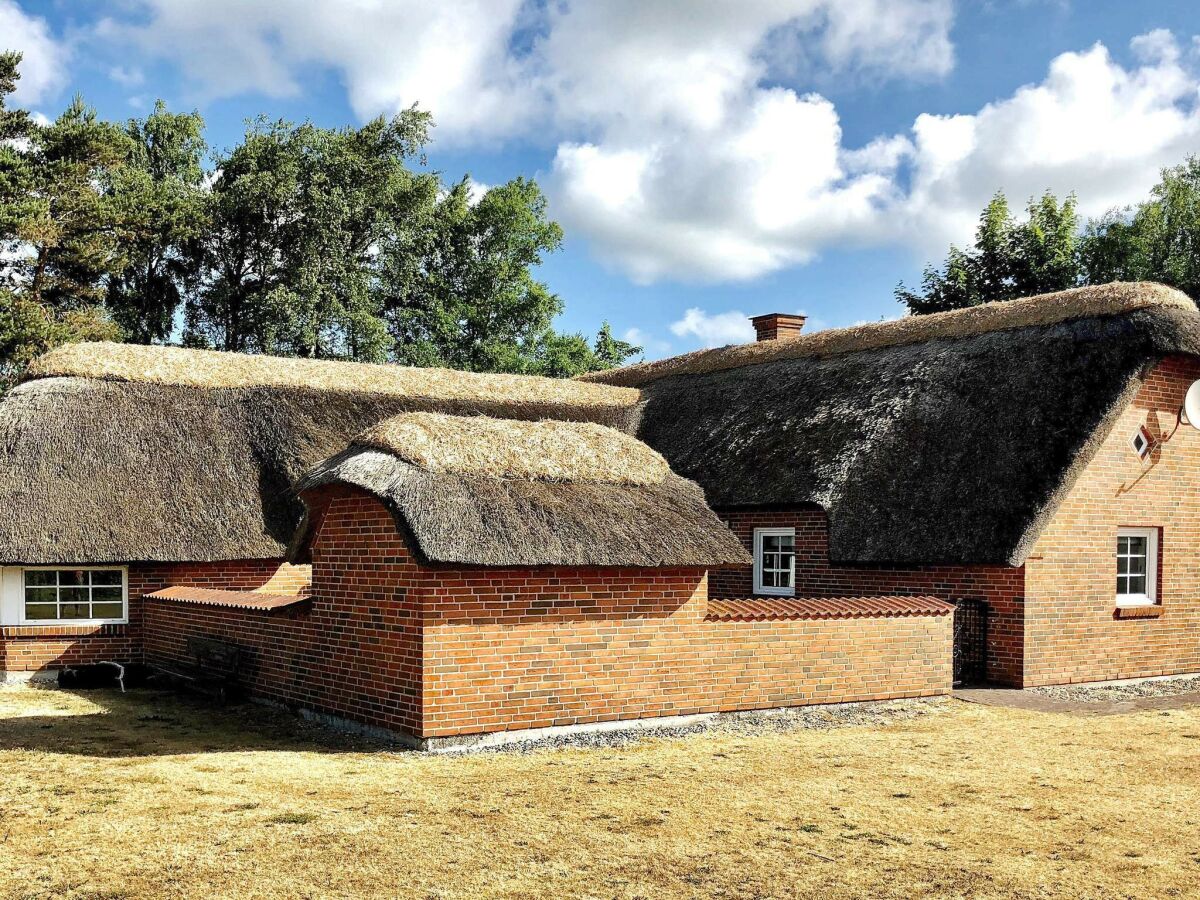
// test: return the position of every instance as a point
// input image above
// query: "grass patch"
(976, 801)
(292, 818)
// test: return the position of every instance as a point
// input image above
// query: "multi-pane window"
(774, 561)
(1137, 562)
(72, 595)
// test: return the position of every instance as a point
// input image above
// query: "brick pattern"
(601, 646)
(31, 648)
(1074, 632)
(1001, 587)
(353, 651)
(445, 651)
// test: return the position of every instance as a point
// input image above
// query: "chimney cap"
(772, 326)
(781, 318)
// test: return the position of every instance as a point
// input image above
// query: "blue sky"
(709, 160)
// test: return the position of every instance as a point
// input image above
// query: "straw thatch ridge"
(505, 448)
(213, 369)
(465, 520)
(1046, 309)
(949, 451)
(98, 470)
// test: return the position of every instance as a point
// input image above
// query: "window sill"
(1145, 611)
(59, 629)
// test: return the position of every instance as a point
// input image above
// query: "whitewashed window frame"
(759, 587)
(1150, 597)
(12, 596)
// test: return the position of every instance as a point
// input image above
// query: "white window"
(1137, 566)
(775, 561)
(90, 595)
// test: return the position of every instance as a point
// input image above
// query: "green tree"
(305, 241)
(28, 326)
(158, 207)
(297, 216)
(1158, 240)
(457, 289)
(16, 129)
(610, 352)
(1009, 258)
(71, 225)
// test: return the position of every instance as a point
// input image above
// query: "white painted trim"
(1150, 598)
(12, 596)
(759, 534)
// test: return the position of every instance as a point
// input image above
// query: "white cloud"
(652, 347)
(714, 330)
(44, 59)
(476, 190)
(771, 184)
(451, 58)
(687, 146)
(127, 76)
(1091, 126)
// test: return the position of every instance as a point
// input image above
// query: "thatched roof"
(948, 442)
(211, 369)
(124, 453)
(460, 502)
(1044, 309)
(505, 448)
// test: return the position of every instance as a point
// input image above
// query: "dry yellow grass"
(505, 448)
(207, 368)
(1044, 309)
(105, 796)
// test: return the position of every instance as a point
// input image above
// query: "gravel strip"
(1100, 693)
(749, 724)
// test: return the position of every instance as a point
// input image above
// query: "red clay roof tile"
(234, 599)
(761, 609)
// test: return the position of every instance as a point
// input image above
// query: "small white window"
(775, 561)
(74, 596)
(1137, 566)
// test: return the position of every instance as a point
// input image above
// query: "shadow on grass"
(145, 722)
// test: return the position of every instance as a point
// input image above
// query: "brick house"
(445, 554)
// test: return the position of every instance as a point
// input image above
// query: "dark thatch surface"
(1093, 301)
(953, 450)
(470, 520)
(98, 470)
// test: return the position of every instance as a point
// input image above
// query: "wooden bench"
(216, 666)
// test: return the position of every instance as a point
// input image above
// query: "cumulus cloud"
(714, 330)
(44, 59)
(771, 184)
(452, 58)
(698, 146)
(1091, 126)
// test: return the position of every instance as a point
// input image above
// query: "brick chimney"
(777, 326)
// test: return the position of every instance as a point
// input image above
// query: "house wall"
(439, 652)
(1073, 629)
(352, 651)
(511, 649)
(1001, 587)
(32, 648)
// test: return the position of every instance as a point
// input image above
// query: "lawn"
(149, 795)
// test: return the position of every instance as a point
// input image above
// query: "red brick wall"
(33, 648)
(443, 651)
(30, 648)
(520, 649)
(353, 650)
(1002, 587)
(1072, 631)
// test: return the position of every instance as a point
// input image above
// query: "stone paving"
(1038, 702)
